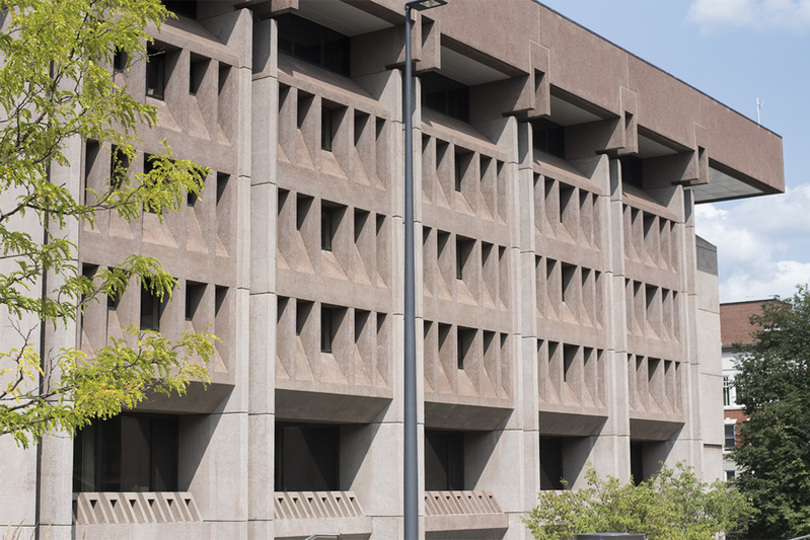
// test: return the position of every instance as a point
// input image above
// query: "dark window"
(149, 163)
(130, 452)
(463, 160)
(632, 171)
(151, 306)
(307, 457)
(548, 137)
(313, 43)
(120, 60)
(446, 96)
(444, 460)
(220, 295)
(194, 295)
(302, 311)
(551, 463)
(327, 227)
(197, 68)
(464, 248)
(731, 437)
(464, 340)
(187, 8)
(730, 475)
(327, 329)
(113, 300)
(119, 165)
(637, 461)
(327, 129)
(156, 73)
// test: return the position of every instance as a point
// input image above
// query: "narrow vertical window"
(327, 127)
(120, 59)
(150, 309)
(327, 228)
(119, 165)
(327, 329)
(156, 73)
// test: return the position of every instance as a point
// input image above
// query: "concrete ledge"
(299, 514)
(463, 514)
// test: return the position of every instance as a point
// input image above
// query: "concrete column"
(263, 298)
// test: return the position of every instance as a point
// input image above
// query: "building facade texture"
(567, 314)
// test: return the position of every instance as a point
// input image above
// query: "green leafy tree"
(672, 505)
(56, 90)
(773, 386)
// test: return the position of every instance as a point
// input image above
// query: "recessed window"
(130, 452)
(313, 43)
(463, 160)
(444, 95)
(328, 328)
(197, 68)
(156, 73)
(444, 460)
(632, 171)
(149, 162)
(464, 248)
(120, 60)
(307, 457)
(548, 137)
(327, 227)
(327, 128)
(187, 8)
(465, 338)
(119, 167)
(551, 463)
(194, 295)
(150, 309)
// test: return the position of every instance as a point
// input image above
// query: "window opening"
(444, 460)
(444, 95)
(313, 43)
(151, 307)
(194, 295)
(156, 73)
(327, 329)
(307, 457)
(548, 137)
(130, 452)
(731, 437)
(120, 60)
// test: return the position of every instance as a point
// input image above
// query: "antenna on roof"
(760, 103)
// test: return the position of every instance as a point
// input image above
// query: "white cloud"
(763, 244)
(711, 15)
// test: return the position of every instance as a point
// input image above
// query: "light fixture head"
(421, 5)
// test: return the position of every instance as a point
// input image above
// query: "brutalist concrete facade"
(567, 314)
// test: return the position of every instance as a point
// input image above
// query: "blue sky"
(736, 51)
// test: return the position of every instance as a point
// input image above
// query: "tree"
(773, 386)
(56, 89)
(672, 505)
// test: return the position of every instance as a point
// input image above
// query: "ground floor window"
(130, 452)
(307, 457)
(444, 460)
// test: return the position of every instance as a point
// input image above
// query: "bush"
(672, 505)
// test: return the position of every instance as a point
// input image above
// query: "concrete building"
(567, 314)
(735, 330)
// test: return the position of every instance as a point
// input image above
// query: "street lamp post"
(411, 468)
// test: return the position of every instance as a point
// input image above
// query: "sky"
(736, 51)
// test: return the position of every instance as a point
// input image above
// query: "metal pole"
(411, 468)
